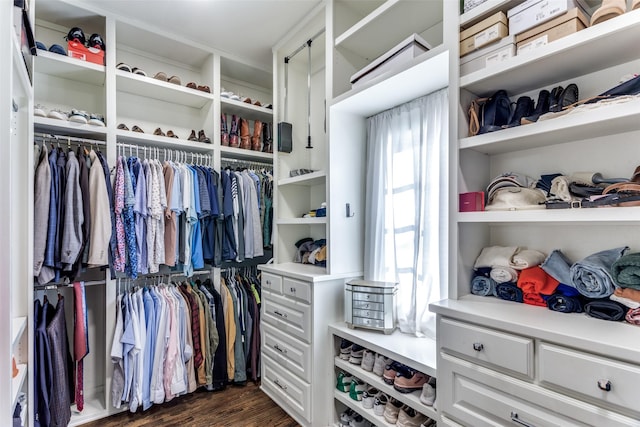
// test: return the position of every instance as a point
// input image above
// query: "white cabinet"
(298, 304)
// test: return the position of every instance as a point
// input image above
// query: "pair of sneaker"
(351, 352)
(403, 378)
(397, 413)
(76, 116)
(352, 419)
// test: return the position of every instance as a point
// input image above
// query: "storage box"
(488, 55)
(483, 33)
(370, 305)
(568, 23)
(401, 53)
(470, 4)
(89, 54)
(535, 12)
(471, 202)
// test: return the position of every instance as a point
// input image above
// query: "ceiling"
(245, 29)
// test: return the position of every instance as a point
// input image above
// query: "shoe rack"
(395, 347)
(122, 97)
(594, 58)
(16, 92)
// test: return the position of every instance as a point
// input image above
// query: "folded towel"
(509, 292)
(633, 316)
(557, 266)
(495, 255)
(565, 299)
(627, 302)
(626, 271)
(533, 282)
(527, 258)
(503, 274)
(592, 275)
(483, 286)
(606, 309)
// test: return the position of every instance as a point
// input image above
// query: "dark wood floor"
(233, 406)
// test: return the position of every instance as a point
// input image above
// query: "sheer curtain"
(405, 165)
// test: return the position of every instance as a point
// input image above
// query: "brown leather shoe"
(256, 139)
(170, 134)
(192, 136)
(204, 88)
(159, 132)
(203, 138)
(135, 128)
(191, 85)
(233, 132)
(244, 135)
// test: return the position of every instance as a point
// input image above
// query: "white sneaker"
(428, 395)
(38, 111)
(96, 120)
(368, 397)
(57, 114)
(379, 364)
(379, 402)
(368, 359)
(78, 117)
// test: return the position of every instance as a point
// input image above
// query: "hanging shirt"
(119, 257)
(41, 199)
(86, 204)
(131, 266)
(150, 323)
(117, 379)
(141, 212)
(100, 214)
(169, 217)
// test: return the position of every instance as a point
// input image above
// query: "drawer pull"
(279, 349)
(604, 385)
(280, 314)
(478, 346)
(268, 282)
(276, 382)
(293, 290)
(517, 420)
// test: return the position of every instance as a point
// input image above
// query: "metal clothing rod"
(62, 138)
(305, 44)
(66, 284)
(195, 273)
(248, 163)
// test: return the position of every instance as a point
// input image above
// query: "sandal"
(138, 71)
(124, 67)
(170, 134)
(191, 85)
(161, 76)
(204, 89)
(609, 9)
(122, 126)
(159, 132)
(135, 128)
(175, 80)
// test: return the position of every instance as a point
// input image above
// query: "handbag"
(489, 114)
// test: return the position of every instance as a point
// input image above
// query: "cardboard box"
(532, 13)
(470, 4)
(406, 50)
(471, 202)
(483, 33)
(89, 54)
(572, 21)
(488, 55)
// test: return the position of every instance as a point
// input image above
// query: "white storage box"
(560, 26)
(534, 12)
(403, 52)
(488, 55)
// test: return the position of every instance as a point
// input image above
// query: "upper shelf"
(150, 140)
(613, 215)
(161, 90)
(386, 26)
(602, 121)
(246, 110)
(65, 67)
(308, 179)
(408, 82)
(612, 42)
(65, 127)
(242, 154)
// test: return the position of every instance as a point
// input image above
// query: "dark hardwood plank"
(233, 406)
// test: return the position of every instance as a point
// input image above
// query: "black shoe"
(496, 112)
(96, 41)
(524, 108)
(554, 98)
(76, 34)
(568, 96)
(542, 107)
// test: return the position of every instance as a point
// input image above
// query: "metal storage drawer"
(371, 314)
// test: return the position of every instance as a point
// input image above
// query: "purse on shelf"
(489, 114)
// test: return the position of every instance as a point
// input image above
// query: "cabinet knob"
(478, 346)
(517, 420)
(604, 385)
(293, 290)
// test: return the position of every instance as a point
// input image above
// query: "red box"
(89, 54)
(472, 202)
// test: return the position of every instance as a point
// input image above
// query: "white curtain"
(406, 163)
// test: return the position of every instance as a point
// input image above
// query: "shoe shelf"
(601, 121)
(65, 127)
(554, 216)
(411, 399)
(564, 58)
(245, 110)
(357, 406)
(17, 383)
(18, 325)
(419, 353)
(68, 68)
(379, 31)
(308, 179)
(157, 141)
(161, 90)
(242, 154)
(302, 221)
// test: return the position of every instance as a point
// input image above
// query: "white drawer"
(584, 373)
(292, 355)
(482, 345)
(272, 282)
(288, 387)
(287, 315)
(478, 396)
(297, 289)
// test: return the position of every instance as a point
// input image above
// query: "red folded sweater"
(533, 282)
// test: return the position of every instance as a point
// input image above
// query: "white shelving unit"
(357, 406)
(65, 127)
(70, 68)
